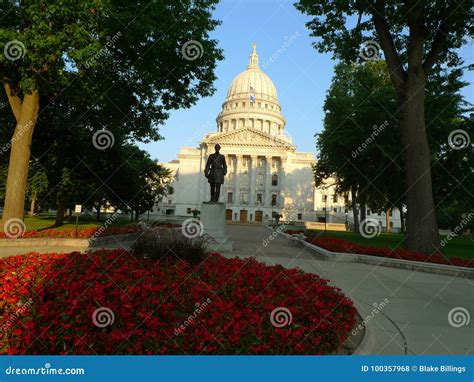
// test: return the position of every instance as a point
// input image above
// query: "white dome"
(252, 101)
(252, 81)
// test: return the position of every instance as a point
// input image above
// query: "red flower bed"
(340, 245)
(49, 305)
(83, 233)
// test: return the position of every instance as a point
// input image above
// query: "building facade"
(266, 175)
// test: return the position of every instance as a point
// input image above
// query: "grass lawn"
(42, 222)
(462, 247)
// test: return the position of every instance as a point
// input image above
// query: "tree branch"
(14, 100)
(438, 41)
(397, 73)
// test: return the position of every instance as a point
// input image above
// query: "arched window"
(245, 179)
(274, 180)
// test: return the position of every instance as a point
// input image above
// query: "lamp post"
(325, 211)
(347, 222)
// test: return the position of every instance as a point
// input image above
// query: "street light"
(325, 211)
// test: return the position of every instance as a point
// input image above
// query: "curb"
(66, 242)
(442, 269)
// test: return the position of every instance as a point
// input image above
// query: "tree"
(83, 44)
(414, 36)
(37, 185)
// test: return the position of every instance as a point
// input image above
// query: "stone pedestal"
(213, 220)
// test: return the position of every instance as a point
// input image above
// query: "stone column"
(268, 181)
(282, 180)
(203, 184)
(253, 174)
(238, 168)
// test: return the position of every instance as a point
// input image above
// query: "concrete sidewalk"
(415, 318)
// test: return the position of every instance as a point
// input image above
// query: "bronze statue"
(215, 170)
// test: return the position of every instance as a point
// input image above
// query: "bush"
(160, 242)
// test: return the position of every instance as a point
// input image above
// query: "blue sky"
(300, 74)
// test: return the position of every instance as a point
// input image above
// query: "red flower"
(340, 245)
(222, 306)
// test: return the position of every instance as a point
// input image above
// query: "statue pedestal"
(213, 220)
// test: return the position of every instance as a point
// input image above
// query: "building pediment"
(248, 137)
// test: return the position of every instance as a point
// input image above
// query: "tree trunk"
(60, 212)
(26, 114)
(422, 229)
(387, 220)
(354, 210)
(131, 216)
(32, 204)
(137, 215)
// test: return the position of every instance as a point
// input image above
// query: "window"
(230, 197)
(300, 216)
(170, 201)
(274, 180)
(259, 198)
(390, 213)
(188, 210)
(260, 180)
(391, 224)
(368, 212)
(325, 198)
(259, 104)
(274, 199)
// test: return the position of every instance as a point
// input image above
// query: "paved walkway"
(415, 319)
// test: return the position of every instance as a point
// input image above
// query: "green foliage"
(341, 27)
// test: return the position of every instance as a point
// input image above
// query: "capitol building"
(265, 174)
